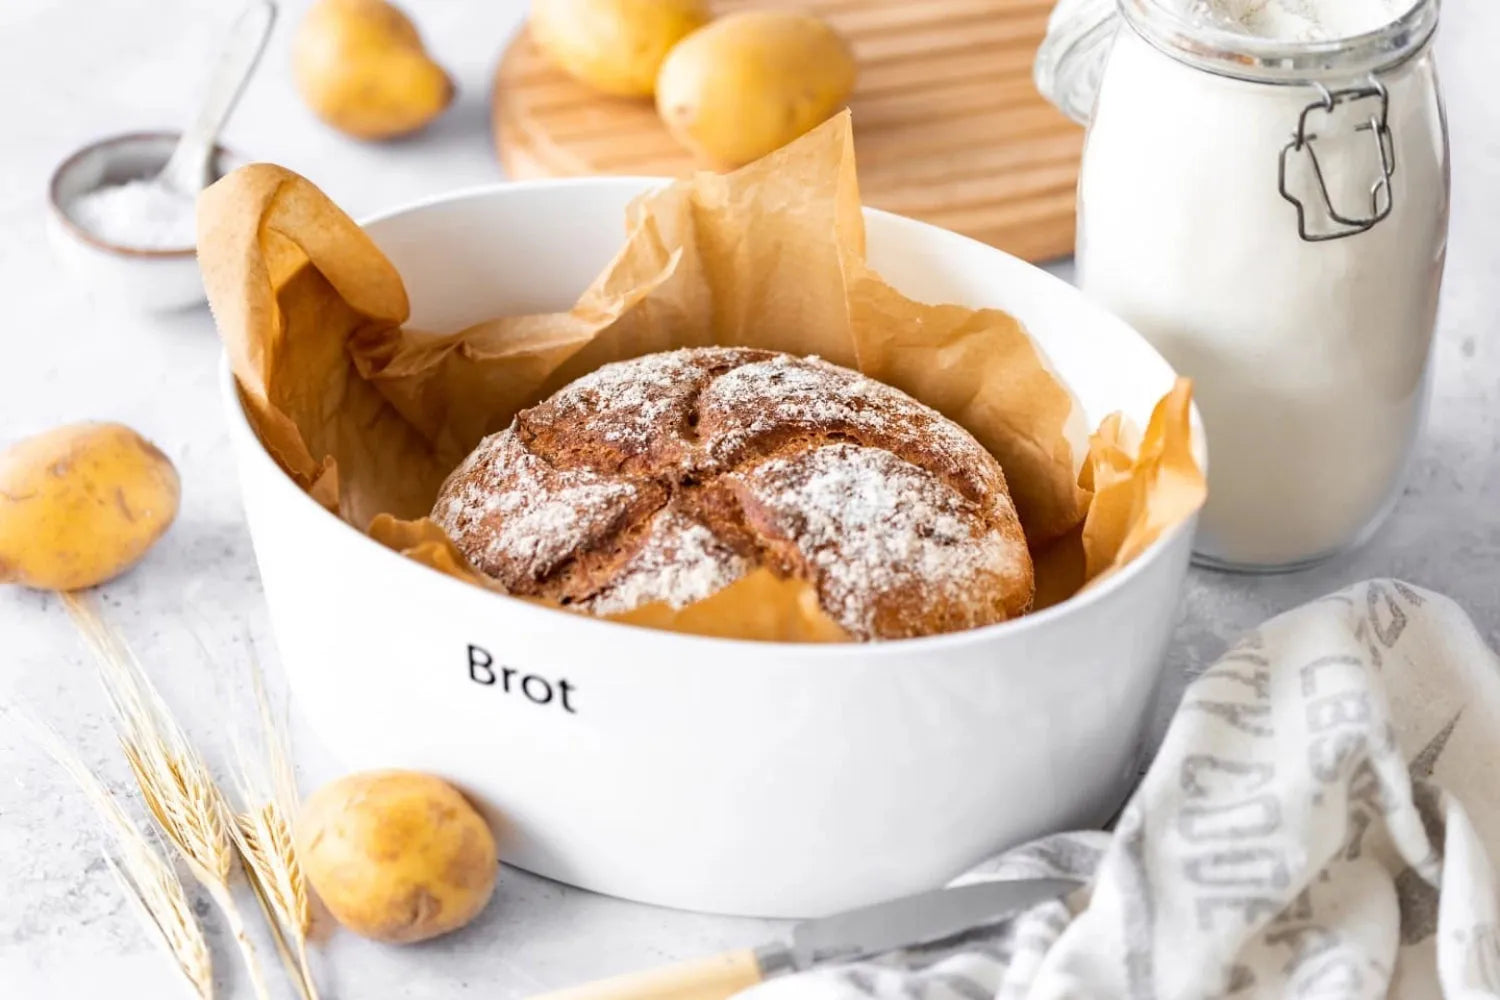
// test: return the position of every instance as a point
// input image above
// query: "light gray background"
(72, 70)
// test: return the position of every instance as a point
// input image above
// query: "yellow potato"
(81, 504)
(395, 855)
(361, 66)
(752, 82)
(615, 46)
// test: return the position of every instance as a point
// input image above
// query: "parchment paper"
(369, 415)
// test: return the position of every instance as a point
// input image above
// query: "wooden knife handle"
(715, 978)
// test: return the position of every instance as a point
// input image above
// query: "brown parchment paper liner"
(369, 416)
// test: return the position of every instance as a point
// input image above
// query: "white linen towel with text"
(1314, 826)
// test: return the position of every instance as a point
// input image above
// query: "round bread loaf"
(668, 477)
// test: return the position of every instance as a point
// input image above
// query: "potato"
(81, 504)
(361, 67)
(613, 45)
(752, 82)
(396, 856)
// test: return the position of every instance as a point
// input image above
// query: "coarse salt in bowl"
(126, 241)
(772, 779)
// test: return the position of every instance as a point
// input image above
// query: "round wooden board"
(948, 126)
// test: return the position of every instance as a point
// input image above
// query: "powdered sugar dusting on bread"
(810, 392)
(535, 528)
(680, 562)
(637, 400)
(874, 525)
(668, 477)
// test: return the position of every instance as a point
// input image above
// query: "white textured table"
(70, 71)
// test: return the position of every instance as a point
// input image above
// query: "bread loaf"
(668, 477)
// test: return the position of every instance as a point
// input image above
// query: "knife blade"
(916, 920)
(911, 921)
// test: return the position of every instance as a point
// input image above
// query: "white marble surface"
(71, 71)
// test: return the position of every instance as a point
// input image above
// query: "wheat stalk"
(150, 882)
(263, 834)
(177, 787)
(264, 843)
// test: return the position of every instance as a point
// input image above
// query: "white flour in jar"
(1309, 359)
(1298, 20)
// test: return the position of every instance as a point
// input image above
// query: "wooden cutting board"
(948, 126)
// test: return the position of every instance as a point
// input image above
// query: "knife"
(907, 922)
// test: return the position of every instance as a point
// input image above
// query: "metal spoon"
(188, 171)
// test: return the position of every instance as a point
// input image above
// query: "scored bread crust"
(667, 477)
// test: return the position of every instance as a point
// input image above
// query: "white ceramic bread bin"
(747, 778)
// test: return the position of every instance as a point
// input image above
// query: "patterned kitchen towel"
(1314, 826)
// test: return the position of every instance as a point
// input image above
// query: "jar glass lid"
(1071, 60)
(1070, 63)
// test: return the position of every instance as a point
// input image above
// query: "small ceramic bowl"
(156, 280)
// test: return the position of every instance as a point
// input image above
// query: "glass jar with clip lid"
(1264, 195)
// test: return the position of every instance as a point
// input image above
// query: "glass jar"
(1272, 214)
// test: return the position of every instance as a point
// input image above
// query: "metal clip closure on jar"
(1304, 142)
